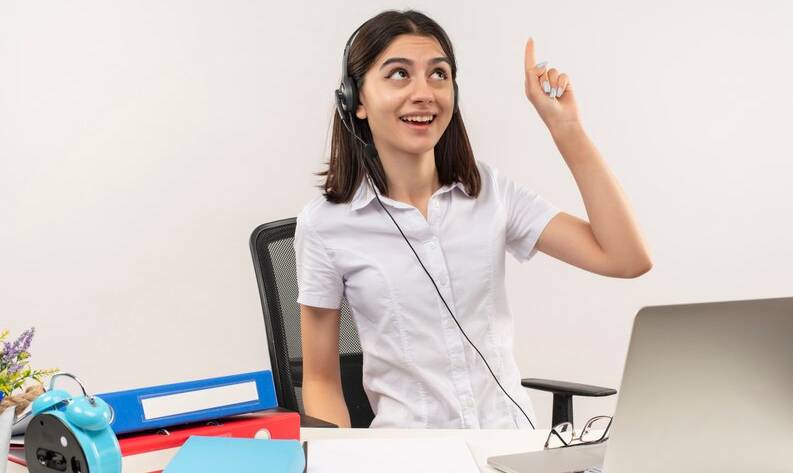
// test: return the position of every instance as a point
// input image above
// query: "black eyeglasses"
(563, 435)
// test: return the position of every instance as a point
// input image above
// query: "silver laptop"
(706, 387)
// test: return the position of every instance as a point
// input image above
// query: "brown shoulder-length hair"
(454, 158)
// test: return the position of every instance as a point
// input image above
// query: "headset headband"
(347, 51)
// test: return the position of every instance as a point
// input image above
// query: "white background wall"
(141, 142)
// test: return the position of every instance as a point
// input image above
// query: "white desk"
(483, 443)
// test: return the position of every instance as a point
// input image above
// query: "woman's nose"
(422, 91)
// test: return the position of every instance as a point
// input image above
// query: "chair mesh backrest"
(272, 247)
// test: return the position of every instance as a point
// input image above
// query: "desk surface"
(483, 443)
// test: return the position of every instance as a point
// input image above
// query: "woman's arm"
(323, 397)
(610, 243)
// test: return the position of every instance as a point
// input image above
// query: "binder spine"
(192, 401)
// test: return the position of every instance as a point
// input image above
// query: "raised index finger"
(529, 57)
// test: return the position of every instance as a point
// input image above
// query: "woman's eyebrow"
(409, 62)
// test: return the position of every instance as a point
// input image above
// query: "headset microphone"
(346, 101)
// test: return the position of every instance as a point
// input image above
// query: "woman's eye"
(397, 70)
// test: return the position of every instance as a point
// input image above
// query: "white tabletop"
(482, 443)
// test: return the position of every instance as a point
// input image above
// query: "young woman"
(459, 216)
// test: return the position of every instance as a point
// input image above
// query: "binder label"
(197, 400)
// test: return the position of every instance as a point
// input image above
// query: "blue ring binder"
(191, 401)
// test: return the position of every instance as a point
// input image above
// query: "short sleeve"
(319, 283)
(527, 214)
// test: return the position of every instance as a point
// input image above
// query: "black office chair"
(274, 263)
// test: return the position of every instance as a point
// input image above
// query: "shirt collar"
(364, 195)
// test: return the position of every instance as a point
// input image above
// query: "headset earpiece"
(346, 97)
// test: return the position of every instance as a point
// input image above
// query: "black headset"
(346, 103)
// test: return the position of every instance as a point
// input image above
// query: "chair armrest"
(308, 421)
(563, 393)
(564, 387)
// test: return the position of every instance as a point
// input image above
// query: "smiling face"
(412, 78)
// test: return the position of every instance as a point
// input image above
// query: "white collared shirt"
(418, 370)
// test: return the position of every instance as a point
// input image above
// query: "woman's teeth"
(419, 119)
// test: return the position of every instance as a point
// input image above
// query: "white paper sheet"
(6, 420)
(437, 454)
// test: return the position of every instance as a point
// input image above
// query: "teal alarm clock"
(71, 434)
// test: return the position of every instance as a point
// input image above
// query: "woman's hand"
(550, 92)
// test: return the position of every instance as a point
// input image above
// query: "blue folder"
(166, 405)
(237, 455)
